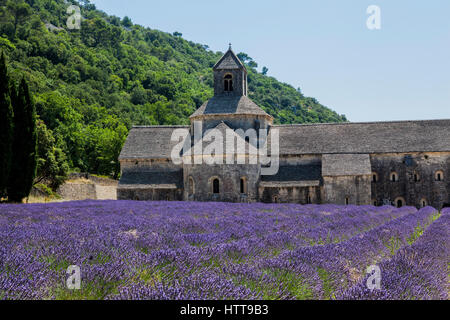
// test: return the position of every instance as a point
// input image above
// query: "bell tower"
(230, 76)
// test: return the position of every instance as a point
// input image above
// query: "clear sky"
(399, 72)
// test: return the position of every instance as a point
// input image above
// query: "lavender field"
(176, 250)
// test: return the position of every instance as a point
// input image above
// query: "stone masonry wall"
(77, 191)
(356, 189)
(424, 166)
(229, 177)
(302, 195)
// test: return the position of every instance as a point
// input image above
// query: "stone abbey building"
(399, 163)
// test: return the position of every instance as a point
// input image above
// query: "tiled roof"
(370, 137)
(345, 165)
(309, 172)
(229, 61)
(237, 140)
(346, 138)
(149, 142)
(135, 179)
(229, 105)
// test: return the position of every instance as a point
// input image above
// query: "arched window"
(216, 186)
(375, 203)
(275, 199)
(416, 177)
(439, 175)
(243, 186)
(374, 177)
(191, 185)
(394, 177)
(399, 202)
(423, 203)
(309, 200)
(347, 201)
(228, 83)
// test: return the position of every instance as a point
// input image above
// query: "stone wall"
(347, 190)
(354, 189)
(416, 178)
(77, 191)
(85, 186)
(239, 82)
(106, 192)
(229, 182)
(149, 194)
(291, 194)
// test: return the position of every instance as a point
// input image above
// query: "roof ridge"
(160, 126)
(217, 105)
(354, 123)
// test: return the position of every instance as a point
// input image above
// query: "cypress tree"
(24, 158)
(6, 127)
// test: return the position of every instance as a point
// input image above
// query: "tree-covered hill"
(91, 85)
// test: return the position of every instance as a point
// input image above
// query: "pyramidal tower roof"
(222, 105)
(229, 61)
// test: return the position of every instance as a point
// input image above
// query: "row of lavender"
(305, 273)
(163, 250)
(418, 271)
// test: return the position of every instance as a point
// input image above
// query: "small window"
(416, 177)
(309, 200)
(439, 175)
(191, 186)
(216, 186)
(374, 177)
(399, 202)
(275, 199)
(347, 201)
(375, 203)
(394, 177)
(423, 202)
(228, 83)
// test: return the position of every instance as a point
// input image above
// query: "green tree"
(90, 84)
(19, 12)
(52, 166)
(6, 127)
(126, 22)
(264, 71)
(24, 159)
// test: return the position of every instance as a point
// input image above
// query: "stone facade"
(398, 163)
(416, 178)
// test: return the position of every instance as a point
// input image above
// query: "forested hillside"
(91, 85)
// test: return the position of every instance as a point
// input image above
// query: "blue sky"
(400, 72)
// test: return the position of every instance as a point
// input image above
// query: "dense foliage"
(176, 250)
(18, 149)
(24, 144)
(6, 127)
(91, 85)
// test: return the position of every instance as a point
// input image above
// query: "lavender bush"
(418, 271)
(176, 250)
